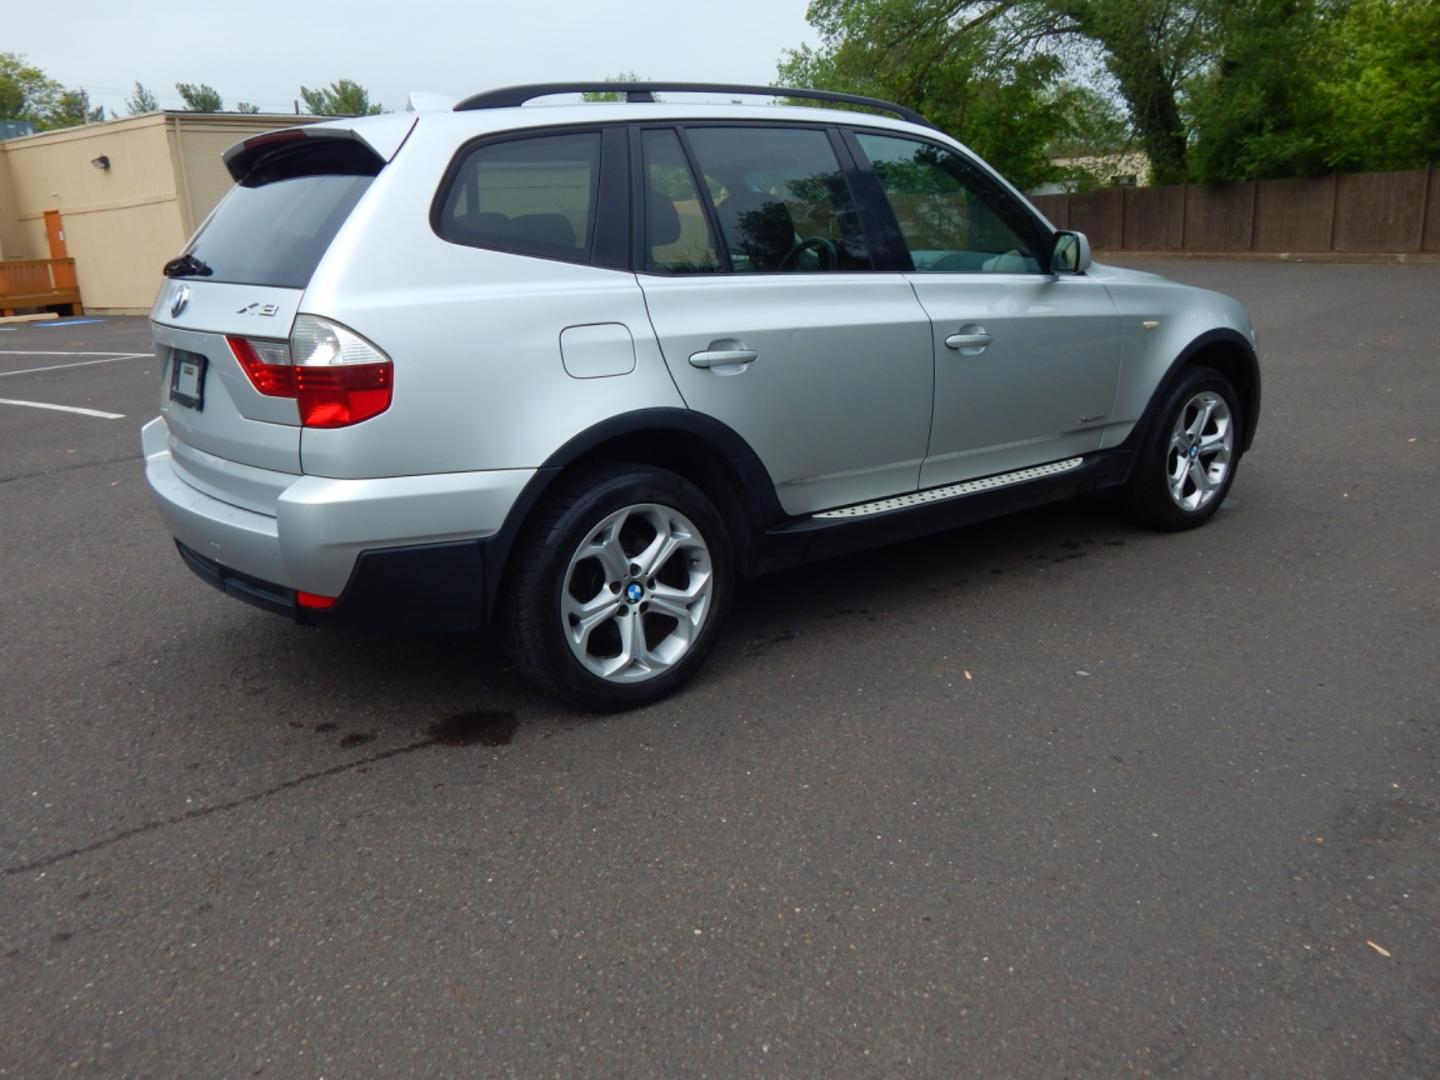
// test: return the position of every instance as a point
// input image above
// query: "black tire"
(1146, 498)
(531, 613)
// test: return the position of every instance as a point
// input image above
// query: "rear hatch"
(242, 277)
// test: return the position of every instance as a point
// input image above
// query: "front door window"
(947, 210)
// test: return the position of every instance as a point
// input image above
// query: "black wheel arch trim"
(1250, 392)
(759, 507)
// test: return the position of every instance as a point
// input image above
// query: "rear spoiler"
(381, 135)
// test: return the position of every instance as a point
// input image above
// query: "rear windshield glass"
(275, 233)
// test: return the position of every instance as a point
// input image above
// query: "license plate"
(187, 379)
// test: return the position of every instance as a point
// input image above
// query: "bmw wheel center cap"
(633, 592)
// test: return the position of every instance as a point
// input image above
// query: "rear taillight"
(336, 377)
(267, 364)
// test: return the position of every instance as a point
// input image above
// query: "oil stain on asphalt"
(482, 727)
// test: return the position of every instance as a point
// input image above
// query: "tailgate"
(242, 276)
(228, 418)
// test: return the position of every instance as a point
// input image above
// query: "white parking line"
(109, 359)
(65, 408)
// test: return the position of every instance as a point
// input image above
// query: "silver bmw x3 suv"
(571, 368)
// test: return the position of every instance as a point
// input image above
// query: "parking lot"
(1051, 796)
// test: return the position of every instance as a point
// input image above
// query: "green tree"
(950, 54)
(973, 79)
(200, 98)
(27, 93)
(1256, 112)
(1093, 126)
(72, 109)
(141, 101)
(1303, 87)
(246, 107)
(25, 90)
(1151, 48)
(340, 98)
(1383, 89)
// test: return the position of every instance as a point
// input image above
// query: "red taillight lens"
(267, 376)
(332, 397)
(314, 601)
(340, 378)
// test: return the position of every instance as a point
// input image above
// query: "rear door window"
(677, 232)
(531, 196)
(781, 199)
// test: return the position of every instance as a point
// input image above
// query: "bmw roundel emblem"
(633, 592)
(181, 301)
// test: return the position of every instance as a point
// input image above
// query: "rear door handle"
(722, 357)
(971, 340)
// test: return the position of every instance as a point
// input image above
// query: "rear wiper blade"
(187, 265)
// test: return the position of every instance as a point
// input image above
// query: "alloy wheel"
(1201, 450)
(636, 593)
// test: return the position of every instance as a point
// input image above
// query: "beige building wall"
(122, 223)
(9, 216)
(119, 222)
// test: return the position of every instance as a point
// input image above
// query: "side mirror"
(1071, 253)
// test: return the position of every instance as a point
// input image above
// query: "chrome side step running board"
(952, 491)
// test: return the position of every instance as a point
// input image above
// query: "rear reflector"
(314, 601)
(336, 377)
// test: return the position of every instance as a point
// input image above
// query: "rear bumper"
(413, 590)
(332, 537)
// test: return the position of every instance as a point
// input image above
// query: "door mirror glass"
(1071, 253)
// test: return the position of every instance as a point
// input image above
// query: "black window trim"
(888, 251)
(988, 188)
(617, 238)
(638, 261)
(607, 246)
(849, 170)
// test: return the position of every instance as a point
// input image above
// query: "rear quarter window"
(530, 196)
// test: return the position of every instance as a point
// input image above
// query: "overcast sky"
(262, 51)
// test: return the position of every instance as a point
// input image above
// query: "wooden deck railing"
(30, 283)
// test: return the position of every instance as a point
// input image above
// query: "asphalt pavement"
(1052, 796)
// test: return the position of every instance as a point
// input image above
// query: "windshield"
(275, 233)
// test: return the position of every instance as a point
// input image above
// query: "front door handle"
(732, 353)
(971, 340)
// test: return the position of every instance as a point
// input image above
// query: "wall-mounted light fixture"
(102, 162)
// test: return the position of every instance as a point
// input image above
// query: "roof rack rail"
(509, 96)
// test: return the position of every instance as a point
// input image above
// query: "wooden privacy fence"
(1385, 213)
(30, 283)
